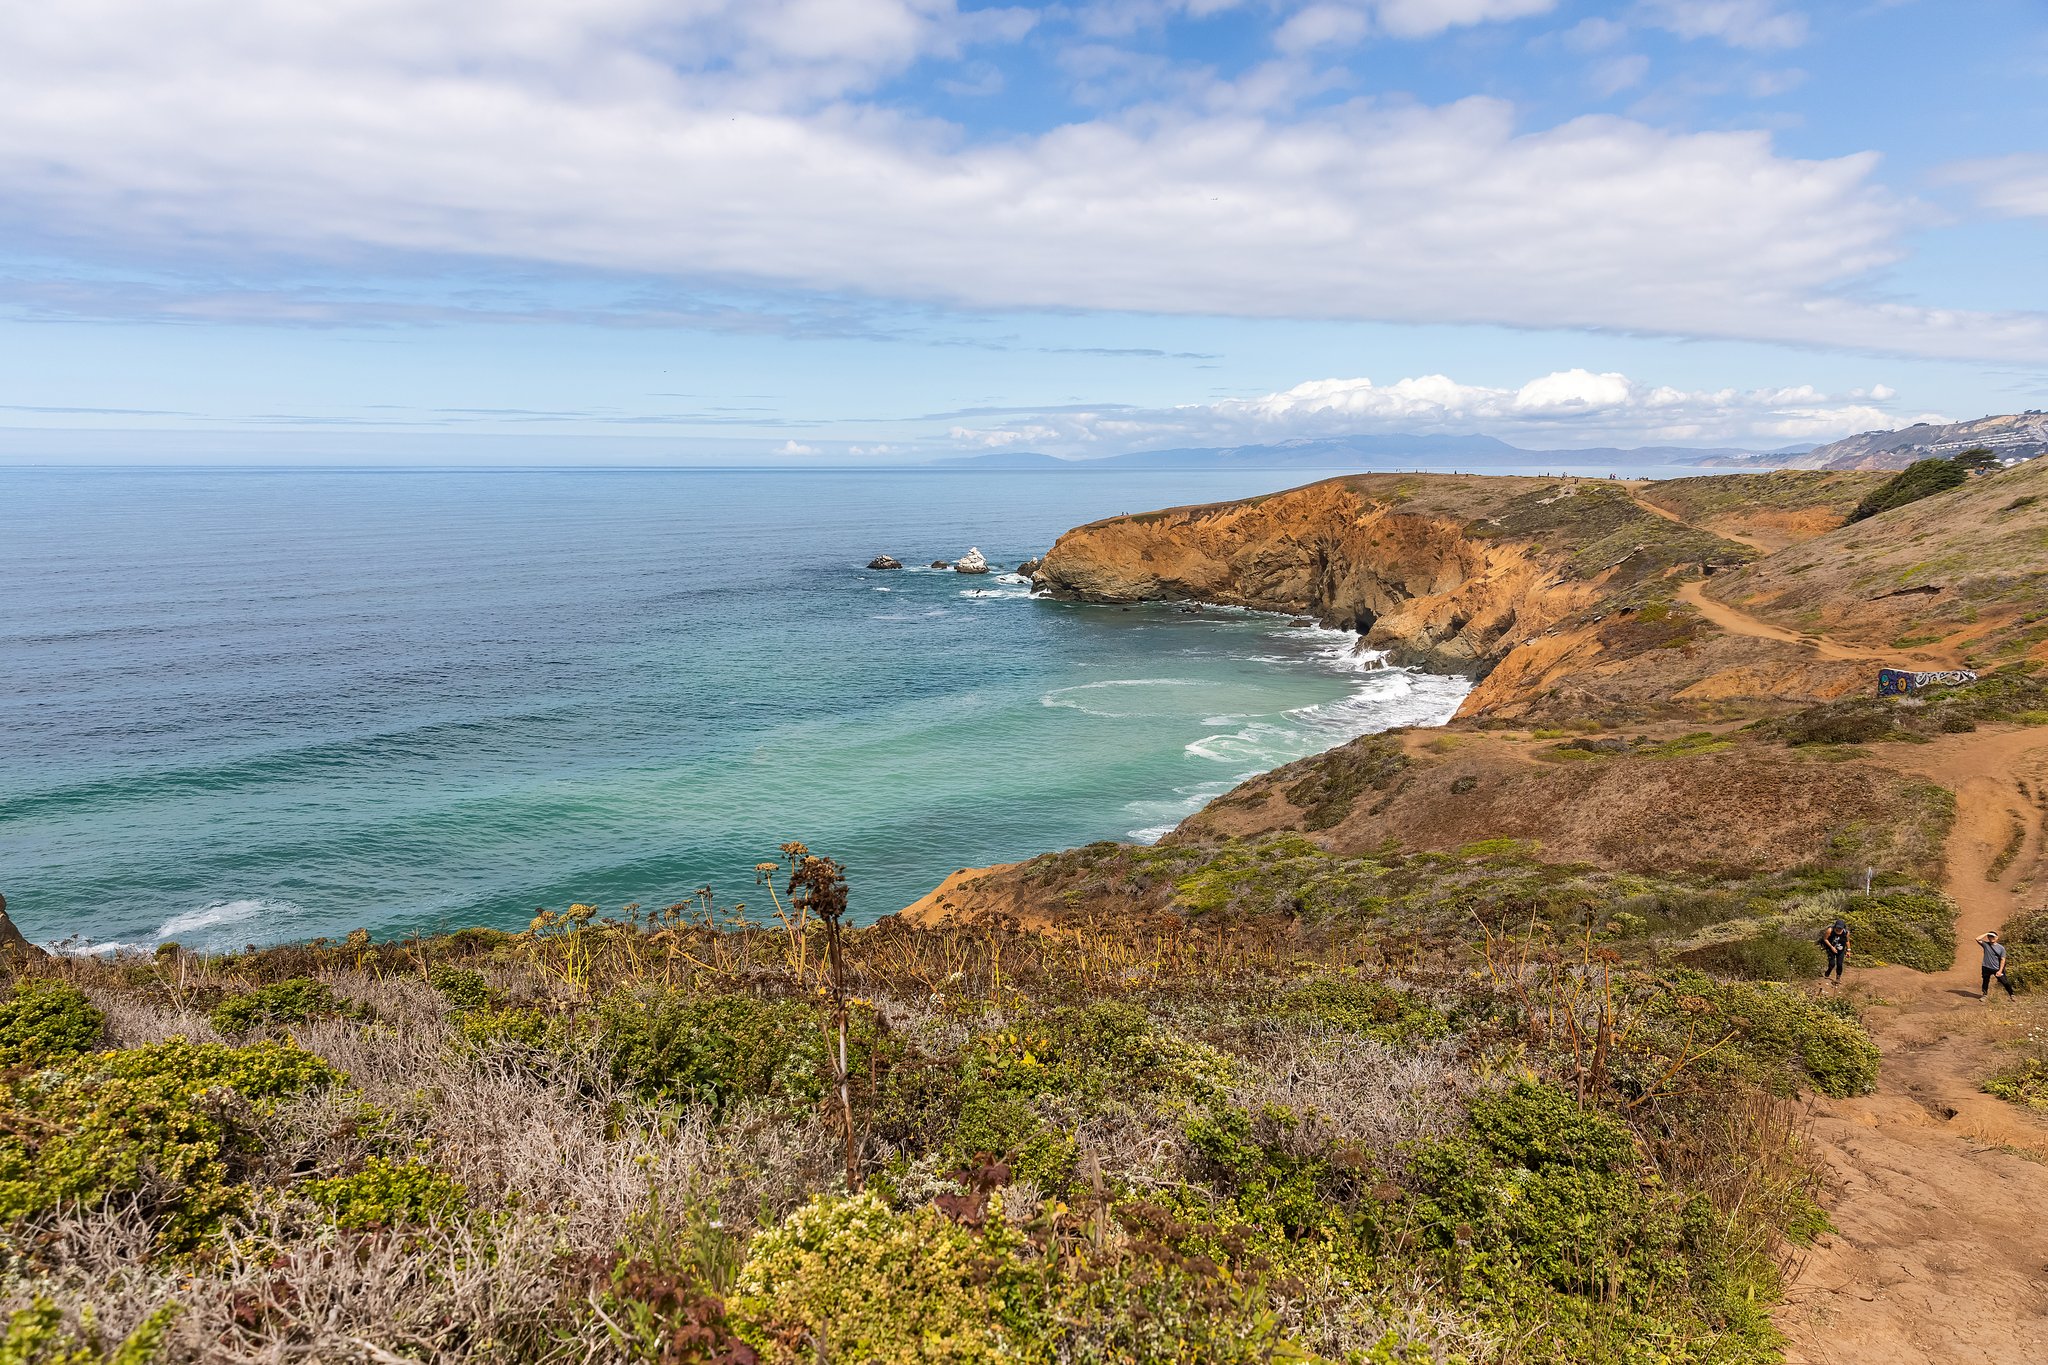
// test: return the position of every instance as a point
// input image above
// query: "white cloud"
(1567, 408)
(795, 448)
(1328, 23)
(729, 140)
(1760, 24)
(1423, 18)
(2011, 186)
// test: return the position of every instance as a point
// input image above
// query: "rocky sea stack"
(885, 562)
(971, 562)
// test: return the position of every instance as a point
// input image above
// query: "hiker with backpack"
(1835, 941)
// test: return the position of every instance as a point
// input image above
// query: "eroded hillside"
(1563, 597)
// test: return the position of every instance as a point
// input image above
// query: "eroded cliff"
(1559, 595)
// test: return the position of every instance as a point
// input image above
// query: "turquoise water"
(251, 706)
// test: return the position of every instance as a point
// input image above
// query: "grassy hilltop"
(1483, 1044)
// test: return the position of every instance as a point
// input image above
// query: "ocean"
(252, 706)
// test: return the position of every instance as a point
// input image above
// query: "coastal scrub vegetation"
(1256, 1127)
(2017, 692)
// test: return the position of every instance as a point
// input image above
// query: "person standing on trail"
(1835, 940)
(1994, 964)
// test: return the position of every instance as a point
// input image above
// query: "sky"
(889, 231)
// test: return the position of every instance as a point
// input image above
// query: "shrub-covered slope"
(1506, 1135)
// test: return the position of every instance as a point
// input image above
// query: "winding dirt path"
(1635, 495)
(1939, 1193)
(1737, 622)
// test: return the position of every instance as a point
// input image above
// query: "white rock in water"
(971, 562)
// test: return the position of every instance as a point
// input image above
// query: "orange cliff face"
(1413, 581)
(1557, 596)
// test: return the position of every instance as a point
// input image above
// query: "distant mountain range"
(1377, 452)
(2018, 435)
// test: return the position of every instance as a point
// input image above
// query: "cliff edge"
(1558, 596)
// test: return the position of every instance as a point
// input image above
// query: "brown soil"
(1938, 1191)
(1742, 623)
(959, 897)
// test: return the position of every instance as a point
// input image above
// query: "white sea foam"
(87, 948)
(1381, 698)
(209, 925)
(1167, 814)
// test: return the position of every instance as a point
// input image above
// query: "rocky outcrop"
(15, 948)
(1415, 581)
(1028, 567)
(971, 562)
(1558, 595)
(885, 562)
(942, 564)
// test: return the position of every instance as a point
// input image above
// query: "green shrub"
(38, 1335)
(390, 1194)
(1539, 1215)
(461, 987)
(2023, 1082)
(1905, 928)
(296, 1001)
(1249, 1162)
(1539, 1125)
(1770, 956)
(486, 1026)
(1921, 479)
(1779, 1036)
(169, 1123)
(43, 1023)
(714, 1049)
(850, 1280)
(1009, 1129)
(1357, 1005)
(1331, 783)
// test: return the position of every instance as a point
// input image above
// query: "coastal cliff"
(1556, 595)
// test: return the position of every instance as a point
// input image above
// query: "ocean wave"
(208, 923)
(1260, 745)
(991, 592)
(1059, 697)
(87, 948)
(1166, 815)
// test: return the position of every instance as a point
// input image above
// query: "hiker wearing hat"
(1994, 964)
(1835, 939)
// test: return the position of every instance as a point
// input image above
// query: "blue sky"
(754, 231)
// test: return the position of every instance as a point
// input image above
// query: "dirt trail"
(1665, 512)
(1939, 1192)
(1738, 622)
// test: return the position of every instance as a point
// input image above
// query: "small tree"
(1979, 460)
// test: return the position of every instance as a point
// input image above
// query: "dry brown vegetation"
(615, 1139)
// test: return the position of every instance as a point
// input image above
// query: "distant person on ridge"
(1994, 964)
(1835, 939)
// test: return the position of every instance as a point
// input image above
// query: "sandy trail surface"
(1737, 622)
(1939, 1192)
(1665, 512)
